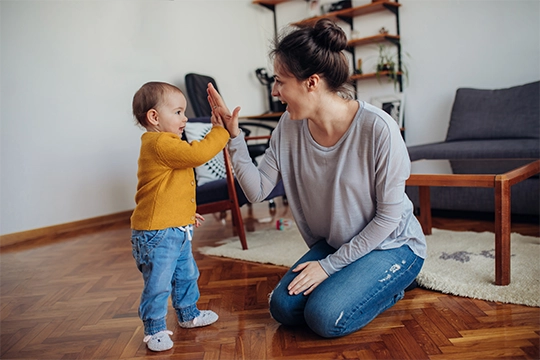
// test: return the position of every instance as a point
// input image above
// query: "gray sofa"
(488, 124)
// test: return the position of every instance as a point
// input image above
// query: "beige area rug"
(458, 263)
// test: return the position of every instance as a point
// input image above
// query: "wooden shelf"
(352, 12)
(381, 74)
(273, 116)
(347, 16)
(373, 39)
(368, 9)
(268, 2)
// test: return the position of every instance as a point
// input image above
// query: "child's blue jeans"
(166, 262)
(350, 298)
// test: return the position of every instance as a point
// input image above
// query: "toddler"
(162, 222)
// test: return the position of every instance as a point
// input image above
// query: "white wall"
(68, 71)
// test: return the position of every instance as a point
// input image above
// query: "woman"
(344, 165)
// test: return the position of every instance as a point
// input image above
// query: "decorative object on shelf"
(313, 8)
(358, 69)
(392, 104)
(325, 8)
(336, 6)
(340, 5)
(385, 61)
(264, 79)
(383, 31)
(388, 66)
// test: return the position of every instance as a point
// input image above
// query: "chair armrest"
(264, 126)
(261, 137)
(256, 125)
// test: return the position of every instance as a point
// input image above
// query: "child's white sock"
(206, 317)
(160, 341)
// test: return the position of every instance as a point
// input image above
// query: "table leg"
(502, 231)
(425, 209)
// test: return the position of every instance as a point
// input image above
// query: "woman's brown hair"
(316, 49)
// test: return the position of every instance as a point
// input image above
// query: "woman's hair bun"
(330, 36)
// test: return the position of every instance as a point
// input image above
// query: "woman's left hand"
(311, 275)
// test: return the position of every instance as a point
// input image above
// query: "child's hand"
(216, 120)
(198, 219)
(222, 113)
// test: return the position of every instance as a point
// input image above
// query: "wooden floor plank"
(77, 297)
(421, 337)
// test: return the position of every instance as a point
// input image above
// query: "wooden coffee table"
(500, 174)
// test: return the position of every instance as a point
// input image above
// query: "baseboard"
(56, 230)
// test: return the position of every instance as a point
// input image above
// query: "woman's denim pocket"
(143, 242)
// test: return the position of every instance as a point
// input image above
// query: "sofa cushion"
(478, 149)
(496, 114)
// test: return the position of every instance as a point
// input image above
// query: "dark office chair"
(196, 85)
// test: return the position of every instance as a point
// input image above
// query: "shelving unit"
(347, 16)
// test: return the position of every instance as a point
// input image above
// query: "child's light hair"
(148, 97)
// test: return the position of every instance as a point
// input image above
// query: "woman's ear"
(313, 82)
(152, 117)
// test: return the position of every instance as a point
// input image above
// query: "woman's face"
(289, 90)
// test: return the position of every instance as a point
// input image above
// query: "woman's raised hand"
(221, 112)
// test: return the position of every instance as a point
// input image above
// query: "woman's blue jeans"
(166, 262)
(350, 298)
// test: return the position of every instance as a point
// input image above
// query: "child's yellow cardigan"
(166, 188)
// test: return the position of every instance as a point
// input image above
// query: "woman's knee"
(327, 321)
(332, 323)
(334, 317)
(284, 309)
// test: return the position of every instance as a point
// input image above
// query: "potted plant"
(388, 66)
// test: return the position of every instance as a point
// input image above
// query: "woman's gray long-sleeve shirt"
(351, 194)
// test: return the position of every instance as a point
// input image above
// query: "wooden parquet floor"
(76, 297)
